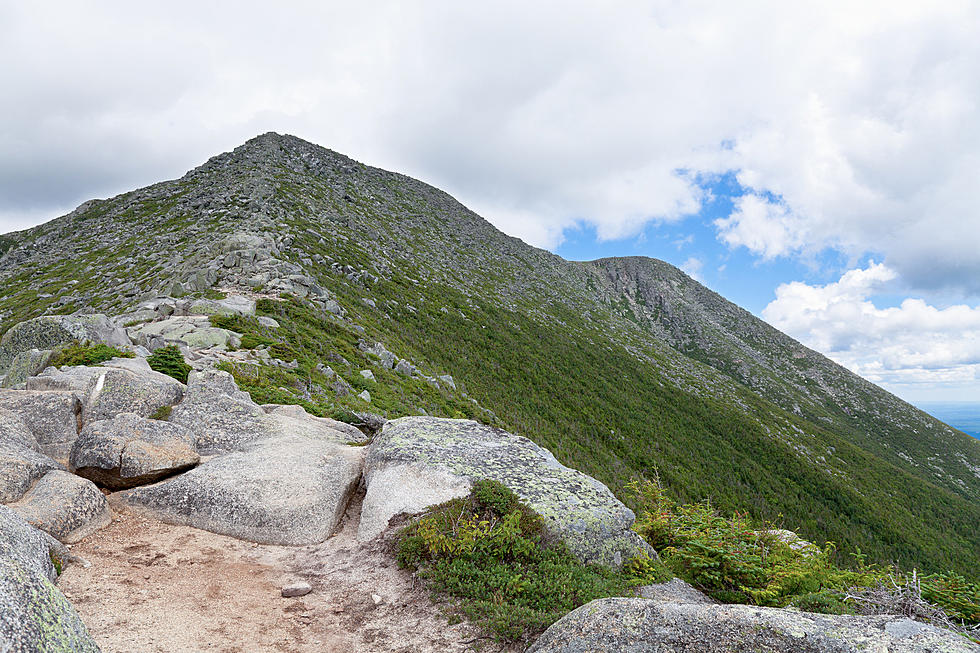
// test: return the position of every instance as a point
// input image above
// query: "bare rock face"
(129, 450)
(645, 626)
(34, 614)
(65, 506)
(288, 491)
(416, 462)
(51, 416)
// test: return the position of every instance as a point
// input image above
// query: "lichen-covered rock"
(49, 331)
(65, 506)
(195, 332)
(645, 626)
(53, 418)
(289, 491)
(34, 614)
(416, 462)
(26, 364)
(129, 450)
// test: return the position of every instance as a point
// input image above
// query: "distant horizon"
(961, 415)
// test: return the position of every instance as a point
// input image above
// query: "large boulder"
(416, 462)
(21, 463)
(288, 491)
(34, 615)
(26, 364)
(50, 331)
(129, 450)
(121, 385)
(115, 390)
(53, 418)
(222, 417)
(66, 506)
(645, 626)
(191, 331)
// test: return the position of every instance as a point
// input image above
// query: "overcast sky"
(819, 164)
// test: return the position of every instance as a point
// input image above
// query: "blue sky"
(814, 162)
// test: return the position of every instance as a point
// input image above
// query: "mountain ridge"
(280, 215)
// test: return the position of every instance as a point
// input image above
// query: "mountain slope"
(622, 367)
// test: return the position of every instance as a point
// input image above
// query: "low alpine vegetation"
(168, 360)
(85, 353)
(736, 560)
(490, 555)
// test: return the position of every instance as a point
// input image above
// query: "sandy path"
(154, 587)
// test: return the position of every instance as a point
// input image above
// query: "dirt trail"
(154, 587)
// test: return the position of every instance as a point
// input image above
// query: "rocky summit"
(229, 392)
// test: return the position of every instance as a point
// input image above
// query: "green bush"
(489, 552)
(85, 353)
(168, 360)
(162, 413)
(735, 560)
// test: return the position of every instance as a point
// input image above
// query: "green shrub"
(490, 553)
(735, 560)
(168, 360)
(78, 353)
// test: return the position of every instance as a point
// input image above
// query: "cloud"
(692, 268)
(900, 347)
(851, 126)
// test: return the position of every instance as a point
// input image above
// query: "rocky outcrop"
(52, 417)
(290, 491)
(34, 614)
(128, 450)
(65, 506)
(645, 626)
(417, 462)
(50, 331)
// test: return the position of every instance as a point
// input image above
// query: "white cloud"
(854, 124)
(692, 268)
(909, 348)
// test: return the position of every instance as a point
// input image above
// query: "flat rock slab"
(416, 462)
(289, 490)
(49, 331)
(298, 422)
(645, 626)
(34, 614)
(65, 506)
(129, 450)
(53, 418)
(194, 332)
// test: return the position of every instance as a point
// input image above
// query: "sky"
(817, 163)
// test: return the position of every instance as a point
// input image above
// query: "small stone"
(293, 590)
(377, 599)
(365, 395)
